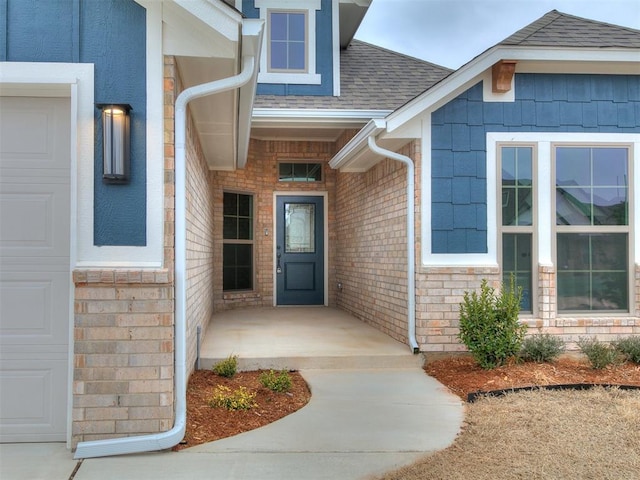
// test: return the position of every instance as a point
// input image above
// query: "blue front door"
(300, 250)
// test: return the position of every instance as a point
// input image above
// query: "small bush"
(600, 355)
(280, 382)
(227, 367)
(240, 399)
(541, 348)
(489, 325)
(629, 347)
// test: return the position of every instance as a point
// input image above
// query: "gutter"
(411, 238)
(164, 440)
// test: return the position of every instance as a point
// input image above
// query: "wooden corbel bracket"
(501, 75)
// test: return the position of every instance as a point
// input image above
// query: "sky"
(452, 32)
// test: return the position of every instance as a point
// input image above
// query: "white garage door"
(34, 268)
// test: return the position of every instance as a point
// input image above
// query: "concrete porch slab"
(298, 338)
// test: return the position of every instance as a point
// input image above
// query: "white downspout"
(411, 238)
(164, 440)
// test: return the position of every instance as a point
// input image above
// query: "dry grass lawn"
(542, 434)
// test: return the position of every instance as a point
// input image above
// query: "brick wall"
(260, 178)
(123, 353)
(371, 253)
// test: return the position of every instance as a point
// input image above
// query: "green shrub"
(541, 347)
(600, 355)
(280, 382)
(227, 367)
(489, 324)
(239, 399)
(629, 347)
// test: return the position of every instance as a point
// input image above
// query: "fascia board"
(252, 36)
(220, 17)
(471, 73)
(279, 116)
(354, 146)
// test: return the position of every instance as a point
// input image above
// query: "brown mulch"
(206, 424)
(463, 376)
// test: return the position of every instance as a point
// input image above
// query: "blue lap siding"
(544, 103)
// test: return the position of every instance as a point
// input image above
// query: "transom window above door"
(299, 172)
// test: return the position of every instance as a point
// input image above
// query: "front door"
(300, 250)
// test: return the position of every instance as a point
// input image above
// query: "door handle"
(278, 267)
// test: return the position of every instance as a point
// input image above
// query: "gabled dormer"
(303, 38)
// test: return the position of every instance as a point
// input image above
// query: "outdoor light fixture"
(115, 142)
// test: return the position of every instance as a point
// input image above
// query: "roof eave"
(468, 74)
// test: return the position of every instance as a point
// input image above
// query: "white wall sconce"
(116, 140)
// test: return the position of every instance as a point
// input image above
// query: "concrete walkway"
(359, 423)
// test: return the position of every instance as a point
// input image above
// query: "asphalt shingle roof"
(372, 78)
(557, 29)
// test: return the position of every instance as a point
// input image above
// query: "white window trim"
(309, 78)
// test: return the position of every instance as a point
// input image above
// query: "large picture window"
(592, 227)
(517, 219)
(238, 237)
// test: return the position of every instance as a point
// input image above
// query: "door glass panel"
(299, 231)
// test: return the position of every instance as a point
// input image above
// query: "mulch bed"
(206, 424)
(463, 376)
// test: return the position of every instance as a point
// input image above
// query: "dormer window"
(289, 55)
(287, 50)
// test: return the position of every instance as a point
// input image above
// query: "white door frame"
(296, 193)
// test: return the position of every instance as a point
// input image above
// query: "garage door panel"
(30, 400)
(35, 277)
(28, 221)
(30, 304)
(34, 134)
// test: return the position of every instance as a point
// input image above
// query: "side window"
(592, 228)
(238, 248)
(517, 215)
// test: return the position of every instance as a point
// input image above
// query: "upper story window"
(287, 41)
(289, 49)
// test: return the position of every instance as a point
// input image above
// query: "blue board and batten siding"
(544, 103)
(324, 55)
(111, 34)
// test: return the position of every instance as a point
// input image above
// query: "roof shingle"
(372, 78)
(557, 29)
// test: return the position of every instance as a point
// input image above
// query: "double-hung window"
(517, 213)
(289, 47)
(592, 227)
(287, 41)
(237, 255)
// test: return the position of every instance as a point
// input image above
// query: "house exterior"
(276, 161)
